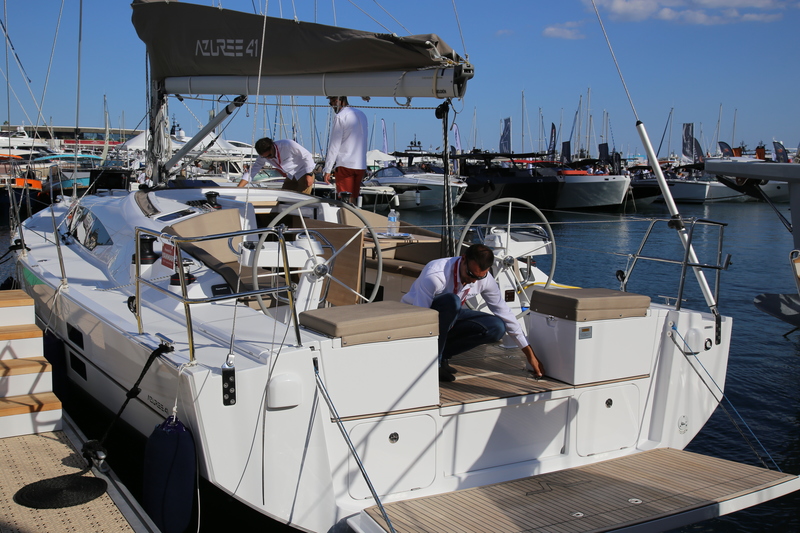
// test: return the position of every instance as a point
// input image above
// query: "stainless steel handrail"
(183, 297)
(721, 264)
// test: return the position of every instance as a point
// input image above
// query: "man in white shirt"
(444, 285)
(347, 148)
(291, 159)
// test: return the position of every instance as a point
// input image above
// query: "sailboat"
(274, 327)
(694, 185)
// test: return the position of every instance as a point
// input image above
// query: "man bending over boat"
(444, 285)
(291, 159)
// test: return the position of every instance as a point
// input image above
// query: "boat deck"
(489, 372)
(660, 484)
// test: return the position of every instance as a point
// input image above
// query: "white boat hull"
(277, 449)
(592, 191)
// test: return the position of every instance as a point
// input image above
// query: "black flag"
(566, 156)
(780, 153)
(551, 150)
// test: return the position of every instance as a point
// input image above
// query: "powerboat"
(582, 190)
(490, 176)
(417, 188)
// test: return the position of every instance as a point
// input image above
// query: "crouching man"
(444, 285)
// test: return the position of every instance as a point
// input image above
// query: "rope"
(614, 57)
(371, 17)
(392, 16)
(460, 31)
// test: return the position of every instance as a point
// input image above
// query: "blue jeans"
(461, 329)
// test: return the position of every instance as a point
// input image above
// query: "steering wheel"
(507, 266)
(323, 268)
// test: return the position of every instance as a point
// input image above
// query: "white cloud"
(504, 33)
(701, 12)
(567, 30)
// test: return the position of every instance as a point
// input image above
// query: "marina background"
(684, 55)
(764, 364)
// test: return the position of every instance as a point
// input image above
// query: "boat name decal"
(158, 405)
(226, 47)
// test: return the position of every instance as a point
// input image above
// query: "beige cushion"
(373, 322)
(589, 304)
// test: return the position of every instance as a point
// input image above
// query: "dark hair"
(263, 145)
(481, 254)
(342, 99)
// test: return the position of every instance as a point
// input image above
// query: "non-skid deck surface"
(606, 495)
(489, 372)
(30, 458)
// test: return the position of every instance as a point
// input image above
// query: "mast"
(588, 121)
(522, 147)
(8, 80)
(578, 117)
(716, 132)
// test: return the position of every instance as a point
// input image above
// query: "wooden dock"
(38, 441)
(26, 459)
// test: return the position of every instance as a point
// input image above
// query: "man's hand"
(307, 181)
(538, 367)
(327, 177)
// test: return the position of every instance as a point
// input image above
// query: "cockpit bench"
(372, 322)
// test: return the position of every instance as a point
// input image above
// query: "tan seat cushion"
(372, 322)
(589, 304)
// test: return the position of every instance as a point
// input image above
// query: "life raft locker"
(653, 490)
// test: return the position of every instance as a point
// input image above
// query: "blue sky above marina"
(708, 61)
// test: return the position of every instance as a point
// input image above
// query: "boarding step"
(20, 341)
(25, 376)
(29, 413)
(653, 490)
(16, 307)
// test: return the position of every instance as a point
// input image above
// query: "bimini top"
(192, 46)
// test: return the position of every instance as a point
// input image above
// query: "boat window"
(176, 215)
(88, 230)
(389, 172)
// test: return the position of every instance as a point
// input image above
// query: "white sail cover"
(200, 49)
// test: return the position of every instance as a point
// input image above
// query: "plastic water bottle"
(394, 223)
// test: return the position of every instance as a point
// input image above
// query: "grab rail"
(721, 264)
(183, 297)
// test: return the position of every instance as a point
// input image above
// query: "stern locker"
(585, 336)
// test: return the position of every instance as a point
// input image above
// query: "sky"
(727, 66)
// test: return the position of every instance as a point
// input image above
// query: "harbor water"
(764, 367)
